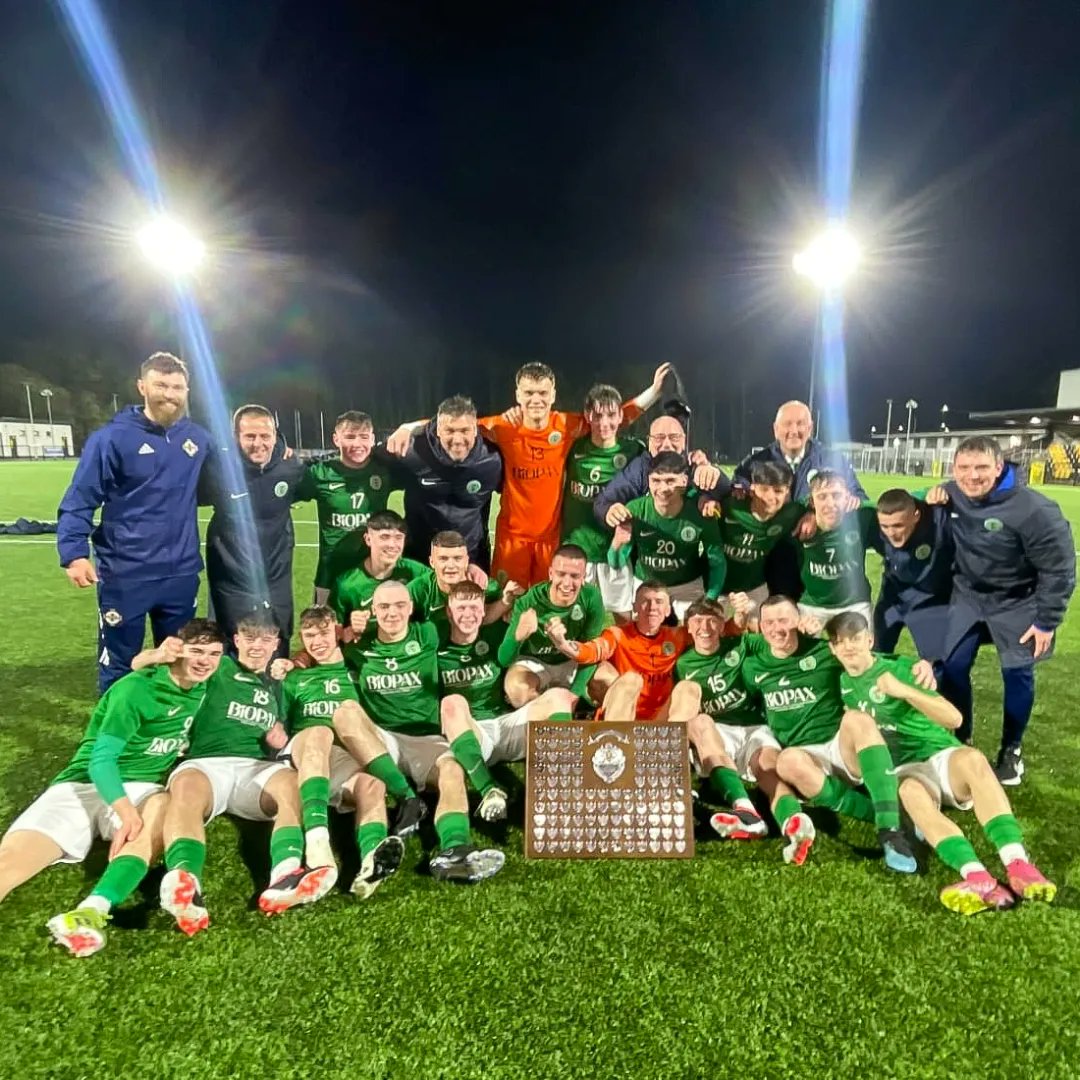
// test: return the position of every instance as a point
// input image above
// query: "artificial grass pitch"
(728, 965)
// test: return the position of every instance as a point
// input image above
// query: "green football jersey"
(669, 549)
(834, 561)
(151, 714)
(353, 589)
(344, 498)
(909, 735)
(429, 601)
(240, 707)
(800, 693)
(748, 540)
(474, 672)
(589, 469)
(311, 696)
(724, 695)
(398, 681)
(583, 619)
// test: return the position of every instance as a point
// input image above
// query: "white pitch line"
(52, 543)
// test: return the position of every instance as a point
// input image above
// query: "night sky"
(599, 186)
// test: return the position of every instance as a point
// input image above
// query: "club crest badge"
(732, 658)
(668, 648)
(773, 530)
(876, 696)
(482, 648)
(281, 489)
(577, 612)
(922, 552)
(555, 438)
(807, 663)
(112, 617)
(412, 648)
(190, 448)
(688, 534)
(619, 461)
(609, 762)
(993, 525)
(375, 483)
(472, 487)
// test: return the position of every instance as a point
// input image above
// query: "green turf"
(732, 965)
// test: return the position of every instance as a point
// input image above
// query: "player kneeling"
(936, 769)
(113, 788)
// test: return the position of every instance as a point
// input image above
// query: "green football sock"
(726, 783)
(787, 806)
(1005, 834)
(561, 717)
(384, 769)
(186, 854)
(315, 796)
(121, 878)
(286, 843)
(452, 828)
(880, 780)
(957, 853)
(467, 753)
(369, 836)
(838, 796)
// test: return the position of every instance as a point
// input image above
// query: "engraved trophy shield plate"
(608, 791)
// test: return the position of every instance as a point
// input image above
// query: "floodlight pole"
(29, 404)
(47, 394)
(888, 431)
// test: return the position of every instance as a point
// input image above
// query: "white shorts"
(682, 596)
(504, 738)
(934, 774)
(416, 755)
(828, 756)
(236, 784)
(742, 743)
(73, 815)
(824, 614)
(560, 675)
(616, 586)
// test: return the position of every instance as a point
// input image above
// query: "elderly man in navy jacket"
(142, 471)
(1015, 572)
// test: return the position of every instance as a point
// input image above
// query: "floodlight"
(171, 247)
(830, 259)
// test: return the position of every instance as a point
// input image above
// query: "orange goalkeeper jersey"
(534, 468)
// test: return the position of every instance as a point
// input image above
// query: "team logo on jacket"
(619, 461)
(555, 438)
(922, 552)
(668, 648)
(993, 525)
(807, 663)
(689, 533)
(412, 648)
(472, 487)
(732, 658)
(375, 483)
(281, 489)
(482, 648)
(112, 617)
(190, 448)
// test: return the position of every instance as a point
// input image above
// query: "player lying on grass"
(725, 724)
(532, 661)
(664, 537)
(833, 558)
(397, 680)
(594, 461)
(473, 710)
(226, 770)
(534, 441)
(827, 751)
(312, 698)
(113, 788)
(936, 769)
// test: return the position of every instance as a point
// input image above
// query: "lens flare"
(173, 248)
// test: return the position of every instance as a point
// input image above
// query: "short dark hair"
(257, 622)
(251, 410)
(979, 444)
(846, 624)
(775, 600)
(534, 370)
(448, 538)
(774, 474)
(603, 396)
(353, 418)
(456, 405)
(828, 476)
(316, 615)
(670, 463)
(570, 551)
(464, 590)
(164, 363)
(201, 632)
(704, 606)
(384, 520)
(896, 501)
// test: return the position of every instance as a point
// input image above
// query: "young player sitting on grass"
(936, 769)
(312, 699)
(113, 788)
(665, 538)
(384, 536)
(827, 752)
(397, 679)
(833, 559)
(226, 771)
(725, 724)
(473, 710)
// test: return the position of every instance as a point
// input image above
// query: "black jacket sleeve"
(629, 484)
(1048, 544)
